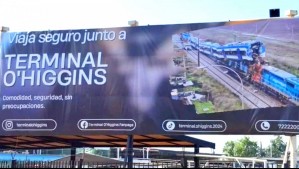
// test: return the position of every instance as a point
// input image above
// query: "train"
(282, 84)
(248, 59)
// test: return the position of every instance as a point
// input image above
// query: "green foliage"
(278, 147)
(247, 148)
(204, 107)
(242, 148)
(229, 148)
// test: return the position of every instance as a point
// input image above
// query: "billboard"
(202, 78)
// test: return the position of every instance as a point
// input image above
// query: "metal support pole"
(14, 164)
(73, 157)
(265, 164)
(129, 154)
(147, 153)
(196, 151)
(118, 153)
(293, 155)
(290, 153)
(80, 165)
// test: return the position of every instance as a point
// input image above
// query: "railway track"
(248, 94)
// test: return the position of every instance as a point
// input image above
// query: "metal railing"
(168, 164)
(81, 164)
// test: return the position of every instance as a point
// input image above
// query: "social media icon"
(170, 125)
(84, 124)
(9, 125)
(265, 125)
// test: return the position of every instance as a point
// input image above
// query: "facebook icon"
(84, 124)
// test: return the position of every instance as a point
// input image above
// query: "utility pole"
(198, 53)
(271, 155)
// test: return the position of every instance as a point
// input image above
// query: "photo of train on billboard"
(221, 77)
(237, 67)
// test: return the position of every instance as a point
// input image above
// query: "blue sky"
(34, 15)
(28, 15)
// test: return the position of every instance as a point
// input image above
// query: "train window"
(291, 84)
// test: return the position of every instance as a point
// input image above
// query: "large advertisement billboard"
(216, 78)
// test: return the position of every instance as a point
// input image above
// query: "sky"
(38, 15)
(33, 15)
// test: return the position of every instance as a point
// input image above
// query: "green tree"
(229, 148)
(277, 147)
(242, 148)
(246, 148)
